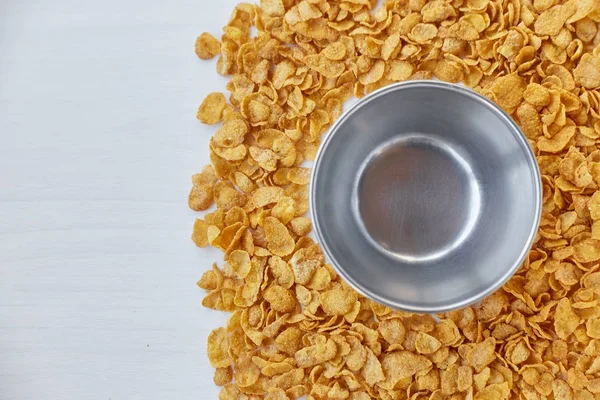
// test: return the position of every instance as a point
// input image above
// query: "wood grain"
(99, 140)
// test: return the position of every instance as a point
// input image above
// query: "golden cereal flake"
(207, 46)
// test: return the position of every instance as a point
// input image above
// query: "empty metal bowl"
(425, 196)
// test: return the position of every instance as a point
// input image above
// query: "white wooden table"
(99, 140)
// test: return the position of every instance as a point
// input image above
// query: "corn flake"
(201, 195)
(280, 298)
(231, 134)
(207, 46)
(218, 346)
(426, 344)
(338, 301)
(239, 261)
(565, 319)
(211, 109)
(552, 20)
(400, 70)
(423, 33)
(587, 72)
(279, 240)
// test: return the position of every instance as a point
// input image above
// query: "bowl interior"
(428, 197)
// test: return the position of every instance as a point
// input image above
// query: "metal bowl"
(425, 196)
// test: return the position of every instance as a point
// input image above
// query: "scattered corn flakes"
(296, 329)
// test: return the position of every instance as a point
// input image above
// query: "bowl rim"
(520, 137)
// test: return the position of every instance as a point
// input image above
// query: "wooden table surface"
(99, 140)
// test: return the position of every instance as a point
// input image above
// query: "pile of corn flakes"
(295, 327)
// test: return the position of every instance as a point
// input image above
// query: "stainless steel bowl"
(425, 196)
